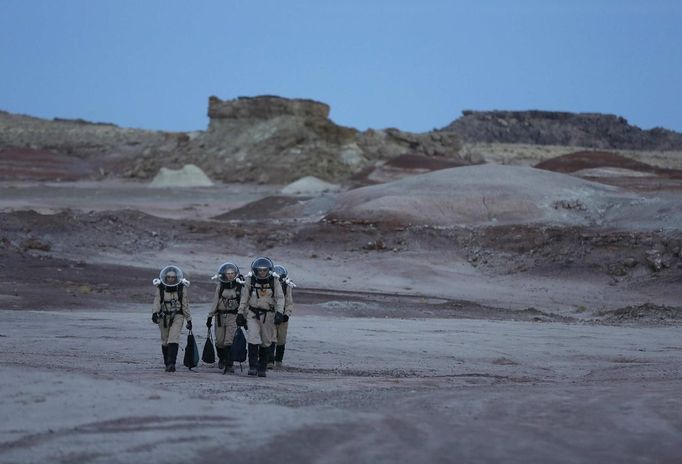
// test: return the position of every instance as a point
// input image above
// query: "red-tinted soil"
(29, 164)
(599, 159)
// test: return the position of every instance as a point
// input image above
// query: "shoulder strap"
(251, 282)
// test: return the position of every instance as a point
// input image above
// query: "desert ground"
(478, 314)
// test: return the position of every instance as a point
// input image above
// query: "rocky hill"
(265, 139)
(276, 140)
(82, 139)
(593, 130)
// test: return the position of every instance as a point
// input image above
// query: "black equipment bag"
(191, 358)
(208, 355)
(238, 348)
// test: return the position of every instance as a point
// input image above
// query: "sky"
(410, 64)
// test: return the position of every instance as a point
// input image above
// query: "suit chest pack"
(263, 288)
(231, 303)
(172, 302)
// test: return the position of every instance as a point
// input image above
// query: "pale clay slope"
(484, 194)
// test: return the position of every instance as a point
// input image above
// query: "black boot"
(263, 357)
(253, 359)
(271, 355)
(172, 355)
(229, 365)
(279, 355)
(164, 348)
(221, 356)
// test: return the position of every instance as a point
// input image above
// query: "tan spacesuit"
(170, 310)
(261, 306)
(278, 345)
(224, 311)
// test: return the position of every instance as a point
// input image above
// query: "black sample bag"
(238, 348)
(208, 355)
(191, 358)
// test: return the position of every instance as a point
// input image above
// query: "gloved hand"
(286, 318)
(241, 320)
(279, 318)
(155, 318)
(189, 325)
(209, 322)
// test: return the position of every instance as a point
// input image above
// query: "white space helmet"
(171, 276)
(228, 272)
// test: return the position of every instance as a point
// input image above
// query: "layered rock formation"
(276, 140)
(594, 130)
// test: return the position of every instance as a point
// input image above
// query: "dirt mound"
(615, 169)
(403, 166)
(422, 163)
(647, 313)
(268, 207)
(30, 164)
(114, 230)
(484, 194)
(582, 160)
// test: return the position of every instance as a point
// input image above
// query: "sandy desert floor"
(91, 388)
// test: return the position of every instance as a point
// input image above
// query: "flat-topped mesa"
(266, 107)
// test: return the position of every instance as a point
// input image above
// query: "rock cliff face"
(265, 107)
(604, 131)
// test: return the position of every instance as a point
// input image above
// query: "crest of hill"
(594, 130)
(482, 194)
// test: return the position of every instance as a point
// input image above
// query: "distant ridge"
(592, 130)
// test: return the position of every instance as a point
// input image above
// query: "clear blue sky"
(411, 64)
